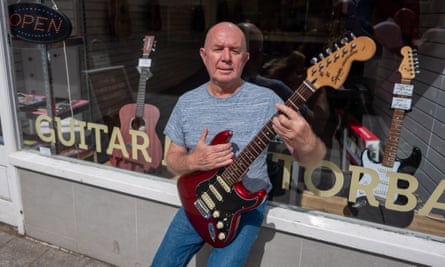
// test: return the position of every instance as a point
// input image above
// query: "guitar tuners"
(153, 48)
(314, 61)
(351, 35)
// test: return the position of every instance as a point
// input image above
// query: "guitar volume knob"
(220, 225)
(221, 236)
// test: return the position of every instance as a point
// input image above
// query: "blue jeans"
(182, 242)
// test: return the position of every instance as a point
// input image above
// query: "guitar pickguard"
(219, 203)
(381, 189)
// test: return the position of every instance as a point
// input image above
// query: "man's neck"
(220, 90)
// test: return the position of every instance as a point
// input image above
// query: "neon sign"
(38, 23)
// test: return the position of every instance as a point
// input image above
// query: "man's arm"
(203, 158)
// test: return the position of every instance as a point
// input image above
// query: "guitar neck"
(255, 147)
(392, 142)
(140, 100)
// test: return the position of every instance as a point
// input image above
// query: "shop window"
(70, 96)
(2, 141)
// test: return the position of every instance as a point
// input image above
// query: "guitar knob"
(216, 214)
(221, 236)
(220, 225)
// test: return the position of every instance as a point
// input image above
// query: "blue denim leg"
(236, 253)
(181, 242)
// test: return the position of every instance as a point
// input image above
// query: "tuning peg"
(321, 56)
(352, 35)
(328, 51)
(336, 46)
(314, 60)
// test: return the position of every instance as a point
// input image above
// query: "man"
(227, 102)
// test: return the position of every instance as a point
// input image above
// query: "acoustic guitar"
(390, 163)
(120, 19)
(140, 117)
(214, 200)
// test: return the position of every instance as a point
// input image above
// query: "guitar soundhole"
(138, 124)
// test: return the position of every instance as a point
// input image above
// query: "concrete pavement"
(20, 251)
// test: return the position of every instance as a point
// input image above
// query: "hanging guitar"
(401, 104)
(140, 117)
(214, 200)
(120, 19)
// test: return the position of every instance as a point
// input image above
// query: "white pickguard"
(381, 190)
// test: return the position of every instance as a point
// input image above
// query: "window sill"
(391, 242)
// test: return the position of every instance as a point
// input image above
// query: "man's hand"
(209, 157)
(203, 158)
(296, 132)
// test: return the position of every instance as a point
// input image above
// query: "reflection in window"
(77, 114)
(2, 141)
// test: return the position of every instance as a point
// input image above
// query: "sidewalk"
(20, 251)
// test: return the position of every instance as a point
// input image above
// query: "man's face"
(224, 54)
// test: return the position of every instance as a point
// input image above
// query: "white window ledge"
(392, 242)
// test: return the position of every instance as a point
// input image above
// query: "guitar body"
(214, 207)
(149, 119)
(361, 208)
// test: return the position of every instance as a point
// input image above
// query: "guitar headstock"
(410, 63)
(333, 67)
(149, 45)
(145, 62)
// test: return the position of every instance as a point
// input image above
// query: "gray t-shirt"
(245, 113)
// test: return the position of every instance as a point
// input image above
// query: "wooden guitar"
(120, 19)
(390, 162)
(214, 200)
(140, 117)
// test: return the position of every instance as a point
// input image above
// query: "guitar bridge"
(202, 208)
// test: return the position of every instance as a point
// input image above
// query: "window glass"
(92, 98)
(2, 141)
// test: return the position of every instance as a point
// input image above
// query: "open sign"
(38, 23)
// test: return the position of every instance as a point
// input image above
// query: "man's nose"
(226, 55)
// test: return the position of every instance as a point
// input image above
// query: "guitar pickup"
(202, 208)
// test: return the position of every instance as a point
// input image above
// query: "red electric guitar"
(140, 117)
(390, 163)
(214, 200)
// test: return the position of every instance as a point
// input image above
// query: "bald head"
(227, 28)
(225, 54)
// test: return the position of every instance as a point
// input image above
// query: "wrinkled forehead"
(225, 34)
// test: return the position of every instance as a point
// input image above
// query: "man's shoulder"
(262, 90)
(197, 92)
(278, 86)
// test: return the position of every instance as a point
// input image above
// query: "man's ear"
(202, 53)
(246, 57)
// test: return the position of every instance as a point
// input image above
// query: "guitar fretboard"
(392, 142)
(140, 100)
(239, 167)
